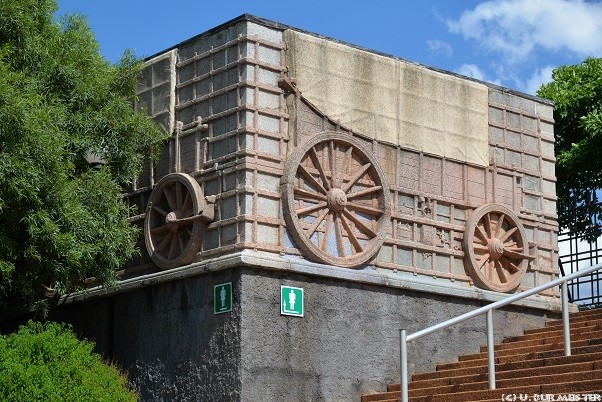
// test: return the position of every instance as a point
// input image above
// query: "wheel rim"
(172, 235)
(496, 248)
(336, 201)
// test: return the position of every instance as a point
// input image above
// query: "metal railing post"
(566, 331)
(490, 351)
(403, 363)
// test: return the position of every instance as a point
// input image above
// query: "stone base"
(162, 330)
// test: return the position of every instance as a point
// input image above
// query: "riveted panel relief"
(255, 157)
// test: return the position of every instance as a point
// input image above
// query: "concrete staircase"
(529, 365)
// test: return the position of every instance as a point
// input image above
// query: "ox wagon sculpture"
(302, 147)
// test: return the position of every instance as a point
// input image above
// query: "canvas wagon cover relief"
(300, 146)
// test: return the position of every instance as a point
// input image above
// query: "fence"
(575, 254)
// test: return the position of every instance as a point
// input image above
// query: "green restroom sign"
(291, 301)
(222, 298)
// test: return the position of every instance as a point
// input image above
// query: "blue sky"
(513, 43)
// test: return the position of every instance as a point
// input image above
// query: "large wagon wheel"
(496, 248)
(174, 220)
(336, 201)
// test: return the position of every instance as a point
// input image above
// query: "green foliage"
(577, 95)
(60, 101)
(46, 362)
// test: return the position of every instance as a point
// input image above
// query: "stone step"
(591, 314)
(586, 334)
(566, 387)
(520, 357)
(501, 367)
(505, 375)
(529, 349)
(552, 333)
(510, 355)
(529, 365)
(510, 383)
(573, 326)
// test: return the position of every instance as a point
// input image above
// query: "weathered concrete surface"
(167, 338)
(347, 344)
(174, 346)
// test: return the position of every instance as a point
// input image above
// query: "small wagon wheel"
(336, 201)
(172, 226)
(496, 248)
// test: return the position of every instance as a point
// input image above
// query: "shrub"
(46, 362)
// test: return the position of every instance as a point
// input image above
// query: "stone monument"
(339, 194)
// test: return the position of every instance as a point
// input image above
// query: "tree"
(60, 100)
(577, 95)
(46, 362)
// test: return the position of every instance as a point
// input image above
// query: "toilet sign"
(222, 298)
(291, 301)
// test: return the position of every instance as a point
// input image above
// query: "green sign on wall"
(222, 298)
(291, 301)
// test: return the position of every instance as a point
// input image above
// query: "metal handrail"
(488, 309)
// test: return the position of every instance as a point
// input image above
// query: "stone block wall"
(229, 81)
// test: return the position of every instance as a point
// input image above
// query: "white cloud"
(440, 47)
(516, 28)
(539, 77)
(474, 71)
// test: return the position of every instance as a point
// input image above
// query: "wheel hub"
(496, 248)
(170, 221)
(336, 199)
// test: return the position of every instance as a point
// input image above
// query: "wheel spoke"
(338, 235)
(359, 224)
(182, 243)
(316, 161)
(514, 255)
(358, 175)
(508, 234)
(312, 208)
(324, 243)
(352, 239)
(500, 271)
(482, 260)
(312, 180)
(487, 225)
(316, 223)
(173, 247)
(169, 197)
(164, 243)
(480, 248)
(346, 160)
(160, 210)
(365, 209)
(481, 235)
(187, 204)
(498, 227)
(334, 178)
(301, 193)
(365, 191)
(159, 229)
(510, 266)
